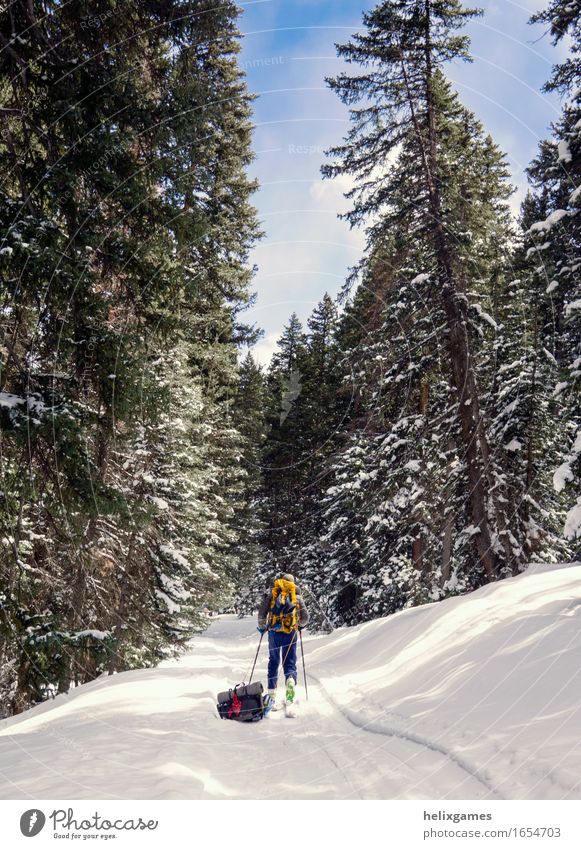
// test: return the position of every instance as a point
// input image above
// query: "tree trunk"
(419, 543)
(116, 662)
(466, 398)
(457, 335)
(22, 698)
(446, 563)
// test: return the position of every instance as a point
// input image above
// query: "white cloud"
(263, 350)
(332, 191)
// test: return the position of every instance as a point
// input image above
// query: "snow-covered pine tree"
(306, 409)
(251, 514)
(126, 226)
(555, 247)
(528, 425)
(401, 98)
(321, 410)
(283, 449)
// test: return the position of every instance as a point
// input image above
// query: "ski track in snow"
(361, 763)
(374, 727)
(477, 697)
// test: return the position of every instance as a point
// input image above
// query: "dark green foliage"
(126, 221)
(250, 508)
(553, 240)
(445, 428)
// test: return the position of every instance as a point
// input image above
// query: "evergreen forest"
(417, 437)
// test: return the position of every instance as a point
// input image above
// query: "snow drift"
(473, 697)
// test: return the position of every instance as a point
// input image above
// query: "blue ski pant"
(281, 647)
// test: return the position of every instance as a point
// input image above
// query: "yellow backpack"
(284, 608)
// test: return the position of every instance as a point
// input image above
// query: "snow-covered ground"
(475, 697)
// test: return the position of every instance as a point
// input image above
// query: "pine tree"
(555, 246)
(284, 438)
(304, 414)
(320, 377)
(127, 226)
(526, 416)
(405, 99)
(290, 347)
(249, 416)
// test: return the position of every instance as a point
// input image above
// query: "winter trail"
(477, 697)
(169, 743)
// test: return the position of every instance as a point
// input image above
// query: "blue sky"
(288, 49)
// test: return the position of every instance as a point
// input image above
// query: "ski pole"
(304, 669)
(256, 657)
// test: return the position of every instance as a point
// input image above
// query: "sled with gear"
(244, 703)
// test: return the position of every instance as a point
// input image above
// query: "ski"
(290, 710)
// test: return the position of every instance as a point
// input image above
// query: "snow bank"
(492, 678)
(476, 697)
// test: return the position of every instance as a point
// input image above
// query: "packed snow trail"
(155, 734)
(476, 697)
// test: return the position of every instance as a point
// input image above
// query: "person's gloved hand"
(261, 630)
(301, 627)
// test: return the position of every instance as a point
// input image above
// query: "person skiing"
(283, 614)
